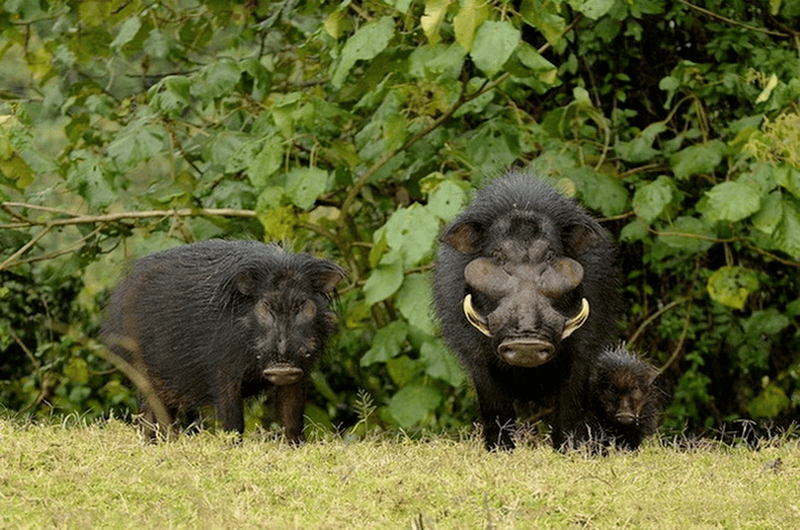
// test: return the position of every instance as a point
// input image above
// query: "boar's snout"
(526, 352)
(282, 374)
(525, 315)
(625, 418)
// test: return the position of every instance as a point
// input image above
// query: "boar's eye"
(263, 314)
(307, 312)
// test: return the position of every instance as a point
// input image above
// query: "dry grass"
(72, 475)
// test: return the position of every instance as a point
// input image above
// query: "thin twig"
(24, 248)
(679, 346)
(110, 217)
(733, 22)
(652, 317)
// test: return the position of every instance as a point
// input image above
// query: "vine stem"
(120, 216)
(78, 219)
(733, 22)
(652, 317)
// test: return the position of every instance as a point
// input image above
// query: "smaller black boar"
(625, 398)
(214, 322)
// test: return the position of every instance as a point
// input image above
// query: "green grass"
(73, 475)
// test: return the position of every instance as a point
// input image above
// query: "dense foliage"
(356, 130)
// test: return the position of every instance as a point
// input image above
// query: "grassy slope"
(79, 476)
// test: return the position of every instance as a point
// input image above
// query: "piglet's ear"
(330, 275)
(652, 373)
(463, 237)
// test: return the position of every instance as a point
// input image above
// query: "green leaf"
(730, 285)
(732, 201)
(697, 159)
(412, 403)
(403, 369)
(156, 44)
(688, 234)
(440, 63)
(636, 230)
(441, 363)
(650, 201)
(221, 150)
(593, 9)
(386, 343)
(370, 40)
(494, 43)
(278, 222)
(432, 19)
(599, 191)
(640, 149)
(447, 200)
(395, 131)
(471, 15)
(544, 16)
(787, 233)
(493, 147)
(770, 214)
(412, 232)
(266, 162)
(383, 282)
(16, 169)
(126, 33)
(77, 371)
(414, 300)
(769, 403)
(138, 144)
(170, 96)
(541, 68)
(789, 178)
(65, 56)
(88, 180)
(242, 157)
(262, 80)
(305, 184)
(765, 322)
(215, 80)
(581, 96)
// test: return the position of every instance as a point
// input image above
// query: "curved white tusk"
(474, 318)
(577, 321)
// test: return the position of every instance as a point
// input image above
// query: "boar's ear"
(330, 274)
(578, 238)
(245, 282)
(463, 237)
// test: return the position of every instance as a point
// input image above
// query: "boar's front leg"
(290, 402)
(571, 429)
(229, 407)
(497, 412)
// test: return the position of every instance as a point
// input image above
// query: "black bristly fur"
(625, 399)
(510, 213)
(203, 321)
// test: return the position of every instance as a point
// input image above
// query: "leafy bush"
(356, 130)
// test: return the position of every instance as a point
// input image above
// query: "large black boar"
(625, 400)
(526, 289)
(217, 321)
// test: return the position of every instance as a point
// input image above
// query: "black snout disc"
(283, 374)
(625, 418)
(525, 352)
